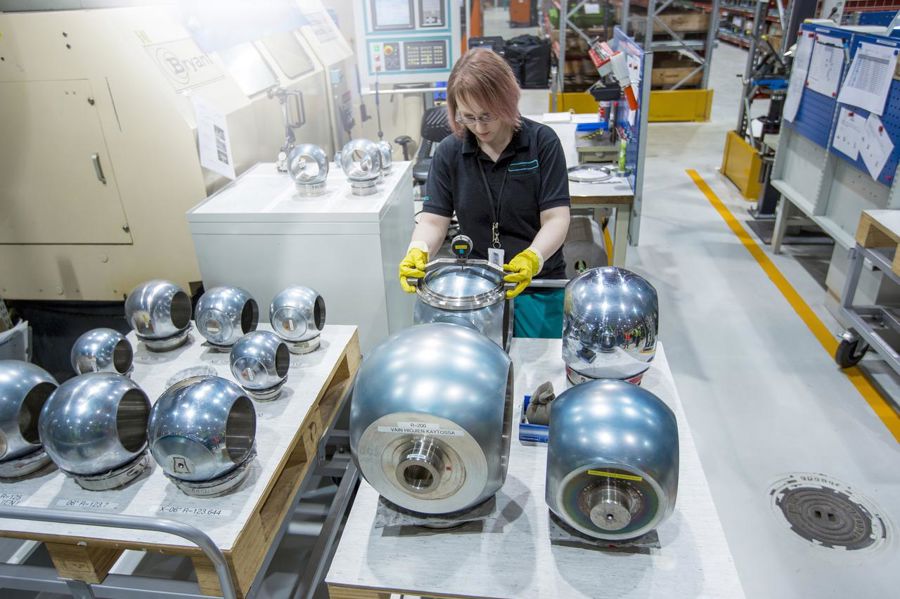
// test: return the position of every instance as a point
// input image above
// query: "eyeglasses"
(471, 120)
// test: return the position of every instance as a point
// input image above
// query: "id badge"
(495, 256)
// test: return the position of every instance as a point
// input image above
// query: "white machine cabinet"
(259, 234)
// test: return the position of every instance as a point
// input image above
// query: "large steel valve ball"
(94, 427)
(386, 156)
(612, 459)
(297, 315)
(160, 314)
(102, 350)
(203, 435)
(225, 314)
(260, 363)
(24, 388)
(430, 418)
(610, 322)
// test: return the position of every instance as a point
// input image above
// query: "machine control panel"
(407, 41)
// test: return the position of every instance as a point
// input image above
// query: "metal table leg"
(620, 242)
(781, 222)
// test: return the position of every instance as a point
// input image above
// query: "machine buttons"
(430, 54)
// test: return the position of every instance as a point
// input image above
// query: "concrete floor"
(762, 397)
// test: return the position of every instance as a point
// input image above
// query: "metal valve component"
(612, 459)
(386, 156)
(297, 315)
(94, 427)
(202, 433)
(436, 442)
(469, 293)
(361, 162)
(260, 363)
(102, 350)
(610, 323)
(160, 314)
(24, 389)
(225, 314)
(307, 165)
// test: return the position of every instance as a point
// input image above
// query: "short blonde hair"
(482, 77)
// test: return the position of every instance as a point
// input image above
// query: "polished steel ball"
(160, 314)
(308, 167)
(610, 323)
(102, 350)
(24, 389)
(430, 418)
(612, 459)
(297, 315)
(386, 156)
(361, 162)
(470, 294)
(260, 362)
(225, 314)
(201, 429)
(95, 423)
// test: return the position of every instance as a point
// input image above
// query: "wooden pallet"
(880, 229)
(90, 559)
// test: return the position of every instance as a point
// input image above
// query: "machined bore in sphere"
(421, 466)
(610, 506)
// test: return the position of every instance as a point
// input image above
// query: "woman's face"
(486, 132)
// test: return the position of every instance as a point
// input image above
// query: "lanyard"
(495, 204)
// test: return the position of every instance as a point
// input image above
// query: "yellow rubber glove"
(523, 268)
(412, 267)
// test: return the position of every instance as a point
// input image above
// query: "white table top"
(152, 494)
(512, 555)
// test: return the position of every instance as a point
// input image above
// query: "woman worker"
(505, 177)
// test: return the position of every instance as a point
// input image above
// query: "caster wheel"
(850, 352)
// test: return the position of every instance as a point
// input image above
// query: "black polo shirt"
(534, 167)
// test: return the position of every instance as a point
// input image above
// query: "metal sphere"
(470, 294)
(430, 418)
(308, 167)
(160, 314)
(102, 350)
(297, 314)
(610, 324)
(612, 459)
(24, 389)
(94, 424)
(201, 429)
(361, 162)
(260, 363)
(385, 155)
(225, 314)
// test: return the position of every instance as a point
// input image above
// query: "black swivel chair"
(435, 127)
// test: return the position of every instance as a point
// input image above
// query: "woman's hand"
(523, 268)
(412, 267)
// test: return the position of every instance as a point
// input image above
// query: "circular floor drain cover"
(828, 513)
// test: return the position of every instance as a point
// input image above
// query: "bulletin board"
(626, 120)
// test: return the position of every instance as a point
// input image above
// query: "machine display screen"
(292, 59)
(430, 54)
(431, 13)
(249, 69)
(392, 15)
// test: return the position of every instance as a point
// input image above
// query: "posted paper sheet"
(876, 146)
(798, 75)
(213, 138)
(851, 127)
(825, 67)
(869, 81)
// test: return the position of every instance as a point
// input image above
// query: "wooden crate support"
(84, 561)
(879, 229)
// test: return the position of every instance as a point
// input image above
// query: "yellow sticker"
(615, 475)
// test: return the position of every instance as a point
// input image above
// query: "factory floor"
(763, 398)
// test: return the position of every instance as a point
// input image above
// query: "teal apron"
(539, 314)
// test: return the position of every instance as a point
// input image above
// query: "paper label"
(90, 505)
(172, 509)
(495, 256)
(798, 76)
(10, 499)
(826, 65)
(870, 77)
(876, 146)
(849, 133)
(615, 475)
(422, 428)
(213, 138)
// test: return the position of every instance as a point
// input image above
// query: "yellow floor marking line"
(882, 406)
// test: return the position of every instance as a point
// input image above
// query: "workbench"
(241, 529)
(511, 554)
(615, 193)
